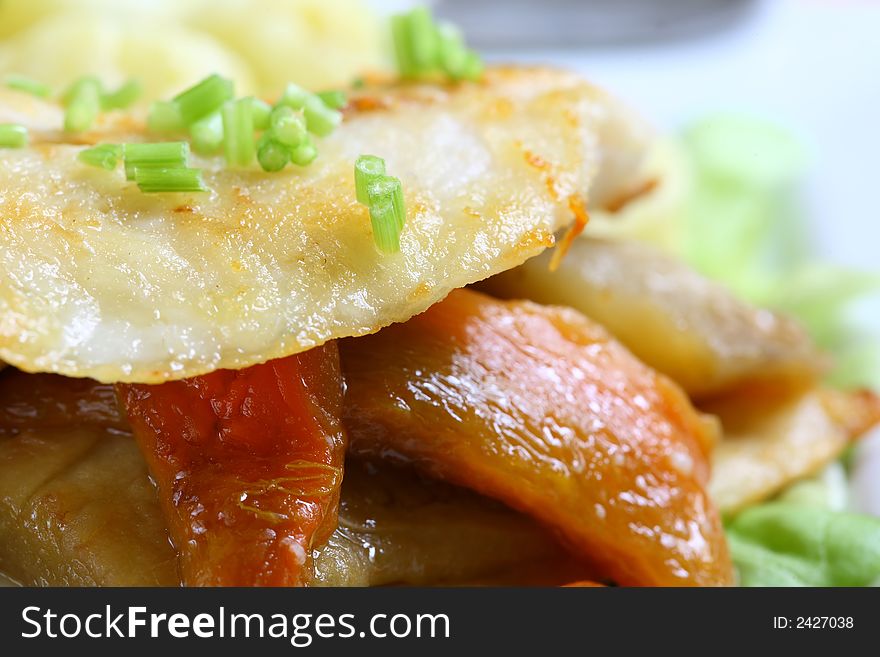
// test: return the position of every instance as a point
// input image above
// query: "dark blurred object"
(575, 23)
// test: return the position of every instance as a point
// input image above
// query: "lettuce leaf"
(787, 544)
(745, 228)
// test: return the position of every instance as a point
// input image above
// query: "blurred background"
(766, 112)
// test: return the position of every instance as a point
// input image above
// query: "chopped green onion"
(367, 169)
(28, 85)
(160, 155)
(424, 48)
(304, 154)
(321, 119)
(386, 233)
(272, 155)
(104, 156)
(294, 96)
(83, 102)
(202, 99)
(453, 53)
(401, 36)
(387, 188)
(238, 131)
(164, 117)
(151, 180)
(333, 99)
(207, 134)
(262, 112)
(13, 136)
(473, 67)
(423, 38)
(288, 126)
(122, 97)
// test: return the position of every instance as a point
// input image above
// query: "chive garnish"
(164, 117)
(288, 126)
(304, 154)
(159, 155)
(424, 48)
(384, 197)
(82, 102)
(122, 97)
(178, 179)
(202, 99)
(367, 169)
(272, 155)
(389, 188)
(238, 131)
(262, 112)
(13, 136)
(386, 235)
(28, 85)
(105, 156)
(333, 99)
(207, 134)
(321, 120)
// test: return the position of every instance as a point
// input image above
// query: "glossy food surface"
(396, 527)
(76, 505)
(248, 464)
(675, 320)
(539, 407)
(78, 509)
(103, 281)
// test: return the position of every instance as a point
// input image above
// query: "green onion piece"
(28, 85)
(262, 112)
(151, 180)
(104, 156)
(400, 33)
(272, 155)
(367, 169)
(386, 233)
(13, 136)
(304, 154)
(164, 117)
(202, 99)
(160, 155)
(453, 52)
(294, 97)
(320, 119)
(386, 188)
(122, 97)
(288, 126)
(207, 134)
(238, 131)
(83, 102)
(333, 99)
(473, 68)
(423, 38)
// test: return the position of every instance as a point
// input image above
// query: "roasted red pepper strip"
(248, 465)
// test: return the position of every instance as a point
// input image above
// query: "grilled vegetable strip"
(541, 409)
(248, 465)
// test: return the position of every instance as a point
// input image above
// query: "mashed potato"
(261, 44)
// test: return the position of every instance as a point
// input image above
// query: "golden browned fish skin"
(103, 281)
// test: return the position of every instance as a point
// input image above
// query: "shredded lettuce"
(788, 544)
(745, 228)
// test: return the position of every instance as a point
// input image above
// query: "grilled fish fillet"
(690, 328)
(103, 281)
